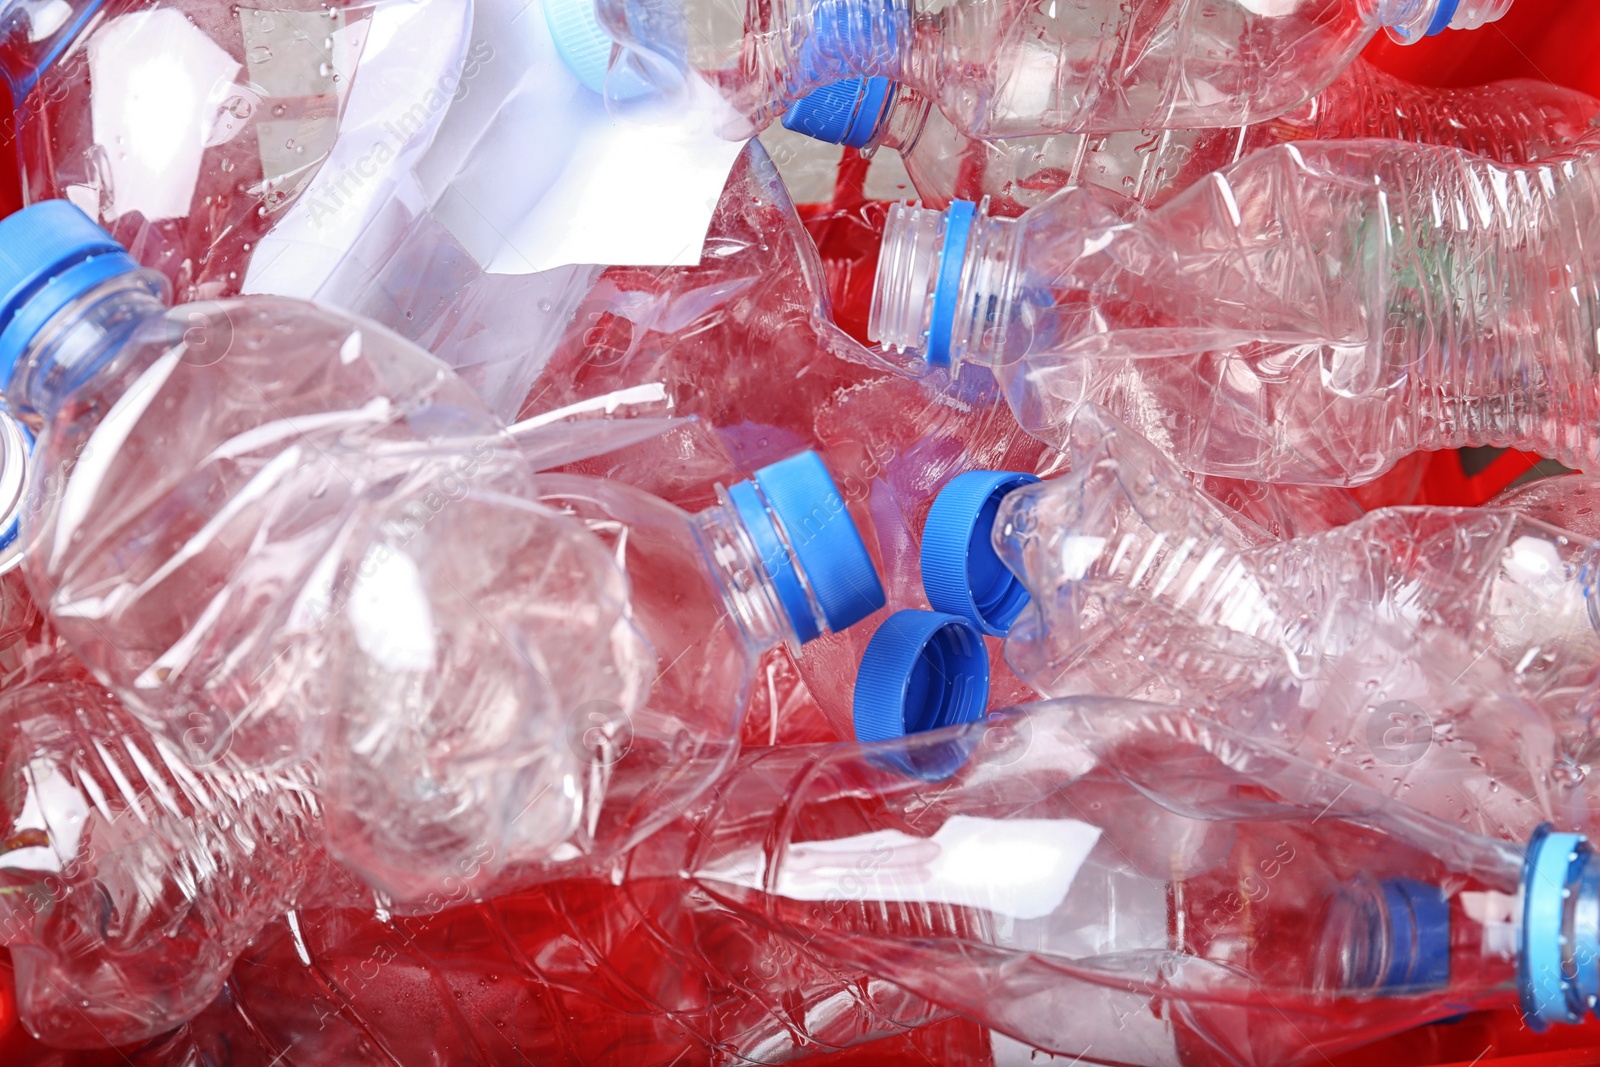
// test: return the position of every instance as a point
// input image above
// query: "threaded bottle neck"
(747, 589)
(946, 284)
(907, 117)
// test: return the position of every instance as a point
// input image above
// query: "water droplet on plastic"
(260, 54)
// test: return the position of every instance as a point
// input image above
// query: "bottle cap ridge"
(922, 670)
(846, 112)
(809, 545)
(961, 572)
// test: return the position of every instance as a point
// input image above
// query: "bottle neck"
(743, 564)
(37, 32)
(1409, 21)
(907, 117)
(946, 284)
(80, 338)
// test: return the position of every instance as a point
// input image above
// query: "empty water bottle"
(1513, 122)
(1083, 861)
(999, 69)
(1310, 314)
(1444, 655)
(190, 130)
(342, 556)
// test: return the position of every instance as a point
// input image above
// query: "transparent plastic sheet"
(496, 330)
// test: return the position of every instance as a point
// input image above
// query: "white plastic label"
(1021, 868)
(532, 172)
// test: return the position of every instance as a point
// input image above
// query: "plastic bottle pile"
(619, 663)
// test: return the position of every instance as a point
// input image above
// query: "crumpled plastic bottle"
(1077, 861)
(342, 556)
(1443, 655)
(1309, 315)
(128, 882)
(1512, 122)
(999, 69)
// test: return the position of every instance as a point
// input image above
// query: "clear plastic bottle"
(1513, 122)
(1308, 315)
(341, 555)
(1001, 69)
(190, 130)
(1087, 860)
(129, 883)
(1444, 655)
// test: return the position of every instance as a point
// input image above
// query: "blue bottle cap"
(947, 287)
(961, 572)
(585, 47)
(1442, 17)
(583, 44)
(847, 112)
(809, 545)
(922, 670)
(1557, 865)
(51, 253)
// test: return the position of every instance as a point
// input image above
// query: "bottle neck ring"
(58, 339)
(776, 556)
(945, 283)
